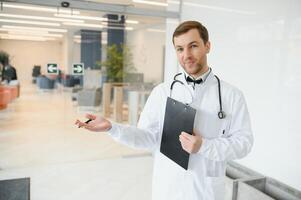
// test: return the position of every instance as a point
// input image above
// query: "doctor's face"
(192, 52)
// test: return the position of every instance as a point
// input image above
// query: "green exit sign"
(78, 69)
(52, 68)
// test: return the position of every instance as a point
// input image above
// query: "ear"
(208, 46)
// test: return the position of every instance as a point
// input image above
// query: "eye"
(179, 50)
(194, 46)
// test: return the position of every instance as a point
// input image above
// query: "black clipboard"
(178, 117)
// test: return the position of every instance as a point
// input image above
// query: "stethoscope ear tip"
(221, 114)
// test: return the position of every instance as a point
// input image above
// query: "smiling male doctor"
(214, 141)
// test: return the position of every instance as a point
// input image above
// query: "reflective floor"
(38, 139)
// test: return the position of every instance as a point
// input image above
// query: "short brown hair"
(184, 27)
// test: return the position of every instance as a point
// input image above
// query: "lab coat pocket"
(219, 128)
(224, 129)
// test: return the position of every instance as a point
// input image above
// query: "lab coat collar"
(207, 77)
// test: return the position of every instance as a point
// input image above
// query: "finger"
(185, 145)
(90, 116)
(81, 124)
(77, 122)
(186, 135)
(184, 140)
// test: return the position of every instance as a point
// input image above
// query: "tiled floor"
(38, 139)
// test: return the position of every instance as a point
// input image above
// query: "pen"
(86, 122)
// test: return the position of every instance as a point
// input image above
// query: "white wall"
(256, 46)
(148, 52)
(67, 52)
(25, 54)
(171, 65)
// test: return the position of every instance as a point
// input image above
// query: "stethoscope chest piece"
(221, 114)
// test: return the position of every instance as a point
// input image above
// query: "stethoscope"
(221, 114)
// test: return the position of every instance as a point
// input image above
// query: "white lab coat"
(223, 139)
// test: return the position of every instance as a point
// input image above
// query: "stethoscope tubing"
(221, 114)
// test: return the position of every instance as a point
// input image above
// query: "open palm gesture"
(96, 123)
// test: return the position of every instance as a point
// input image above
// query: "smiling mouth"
(189, 63)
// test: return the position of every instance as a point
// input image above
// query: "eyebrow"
(177, 46)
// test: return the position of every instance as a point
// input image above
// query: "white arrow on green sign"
(78, 69)
(52, 68)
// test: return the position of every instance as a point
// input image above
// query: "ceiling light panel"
(41, 18)
(131, 22)
(16, 32)
(102, 19)
(156, 30)
(24, 37)
(24, 31)
(35, 28)
(29, 22)
(81, 17)
(41, 9)
(154, 3)
(83, 25)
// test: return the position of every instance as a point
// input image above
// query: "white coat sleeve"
(239, 140)
(146, 134)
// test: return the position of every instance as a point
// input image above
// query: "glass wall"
(70, 62)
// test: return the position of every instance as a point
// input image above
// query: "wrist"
(109, 126)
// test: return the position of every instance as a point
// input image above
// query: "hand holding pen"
(86, 122)
(95, 123)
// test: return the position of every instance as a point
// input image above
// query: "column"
(90, 47)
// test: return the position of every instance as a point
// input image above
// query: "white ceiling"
(144, 22)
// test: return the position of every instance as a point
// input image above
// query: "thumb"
(195, 132)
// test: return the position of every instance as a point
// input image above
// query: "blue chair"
(45, 83)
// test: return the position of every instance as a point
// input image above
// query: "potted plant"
(4, 58)
(118, 63)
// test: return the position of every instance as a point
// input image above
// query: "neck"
(200, 73)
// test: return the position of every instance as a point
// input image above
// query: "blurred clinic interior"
(63, 59)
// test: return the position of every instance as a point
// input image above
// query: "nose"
(186, 54)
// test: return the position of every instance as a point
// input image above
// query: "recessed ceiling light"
(41, 9)
(15, 32)
(155, 30)
(131, 21)
(24, 37)
(29, 22)
(41, 18)
(84, 25)
(24, 31)
(81, 17)
(35, 28)
(98, 26)
(102, 19)
(151, 3)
